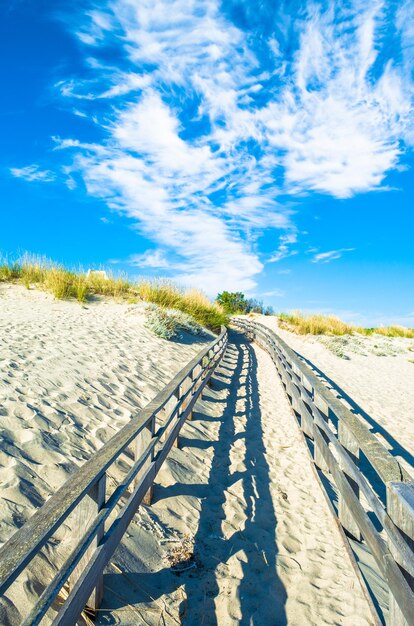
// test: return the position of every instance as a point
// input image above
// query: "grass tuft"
(66, 284)
(314, 324)
(330, 325)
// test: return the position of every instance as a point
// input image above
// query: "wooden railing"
(152, 432)
(339, 439)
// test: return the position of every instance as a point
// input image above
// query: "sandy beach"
(71, 376)
(237, 507)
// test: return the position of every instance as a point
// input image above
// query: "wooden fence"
(152, 432)
(339, 438)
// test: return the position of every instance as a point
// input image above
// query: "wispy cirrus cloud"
(152, 259)
(345, 113)
(207, 125)
(273, 293)
(33, 173)
(330, 255)
(284, 249)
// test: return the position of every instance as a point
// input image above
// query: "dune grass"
(68, 284)
(330, 325)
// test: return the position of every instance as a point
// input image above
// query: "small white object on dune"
(97, 273)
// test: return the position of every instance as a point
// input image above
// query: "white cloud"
(33, 173)
(201, 138)
(341, 130)
(276, 293)
(120, 83)
(155, 259)
(331, 255)
(284, 249)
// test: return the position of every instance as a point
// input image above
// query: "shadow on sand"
(394, 447)
(249, 536)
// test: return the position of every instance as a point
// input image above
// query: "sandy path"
(240, 503)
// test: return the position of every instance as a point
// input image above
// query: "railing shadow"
(249, 537)
(395, 448)
(260, 592)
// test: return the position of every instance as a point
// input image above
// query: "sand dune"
(239, 531)
(71, 376)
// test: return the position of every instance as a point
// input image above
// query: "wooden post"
(141, 443)
(165, 414)
(306, 418)
(318, 455)
(87, 510)
(352, 448)
(186, 386)
(306, 421)
(195, 374)
(204, 367)
(210, 356)
(400, 508)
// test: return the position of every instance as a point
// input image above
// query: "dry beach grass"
(66, 284)
(317, 324)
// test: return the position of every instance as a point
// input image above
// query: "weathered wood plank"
(383, 462)
(47, 596)
(400, 506)
(351, 447)
(373, 502)
(354, 435)
(77, 599)
(75, 602)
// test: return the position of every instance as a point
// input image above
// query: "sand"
(372, 375)
(71, 376)
(237, 507)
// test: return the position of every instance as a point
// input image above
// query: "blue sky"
(263, 147)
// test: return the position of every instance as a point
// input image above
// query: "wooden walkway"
(375, 493)
(239, 530)
(264, 549)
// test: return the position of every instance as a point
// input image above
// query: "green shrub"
(166, 323)
(161, 322)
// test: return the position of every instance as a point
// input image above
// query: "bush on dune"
(166, 323)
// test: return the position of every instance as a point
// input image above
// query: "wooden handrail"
(27, 542)
(336, 453)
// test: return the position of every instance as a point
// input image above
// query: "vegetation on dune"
(66, 284)
(167, 323)
(330, 325)
(236, 303)
(314, 324)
